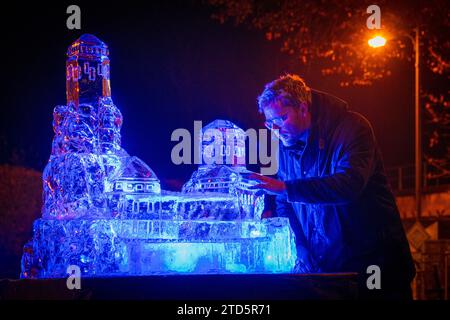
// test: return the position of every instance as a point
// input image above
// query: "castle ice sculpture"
(104, 210)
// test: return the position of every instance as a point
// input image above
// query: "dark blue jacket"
(338, 199)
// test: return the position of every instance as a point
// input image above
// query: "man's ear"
(304, 109)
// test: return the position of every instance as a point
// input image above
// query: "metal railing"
(402, 178)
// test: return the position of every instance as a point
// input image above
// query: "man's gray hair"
(290, 90)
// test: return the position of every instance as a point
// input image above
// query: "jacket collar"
(326, 112)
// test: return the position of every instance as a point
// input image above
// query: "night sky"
(171, 64)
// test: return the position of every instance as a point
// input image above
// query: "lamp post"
(418, 140)
(379, 41)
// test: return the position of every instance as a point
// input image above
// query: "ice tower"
(223, 168)
(104, 210)
(87, 71)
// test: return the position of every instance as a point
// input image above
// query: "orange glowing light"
(377, 41)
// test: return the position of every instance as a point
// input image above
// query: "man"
(331, 184)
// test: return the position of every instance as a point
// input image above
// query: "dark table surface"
(189, 287)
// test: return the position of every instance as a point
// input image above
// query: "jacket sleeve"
(283, 207)
(305, 262)
(353, 167)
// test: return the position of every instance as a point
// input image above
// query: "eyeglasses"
(279, 121)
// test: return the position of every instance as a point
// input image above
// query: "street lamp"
(379, 41)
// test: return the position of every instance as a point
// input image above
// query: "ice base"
(116, 247)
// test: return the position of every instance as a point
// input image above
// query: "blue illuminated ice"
(136, 247)
(105, 212)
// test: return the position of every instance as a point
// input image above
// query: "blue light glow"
(105, 212)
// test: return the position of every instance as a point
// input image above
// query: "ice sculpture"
(223, 169)
(105, 212)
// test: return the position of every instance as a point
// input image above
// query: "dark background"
(171, 64)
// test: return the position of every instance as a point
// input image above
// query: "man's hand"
(272, 186)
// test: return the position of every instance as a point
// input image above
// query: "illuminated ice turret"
(104, 211)
(223, 143)
(87, 160)
(223, 168)
(87, 71)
